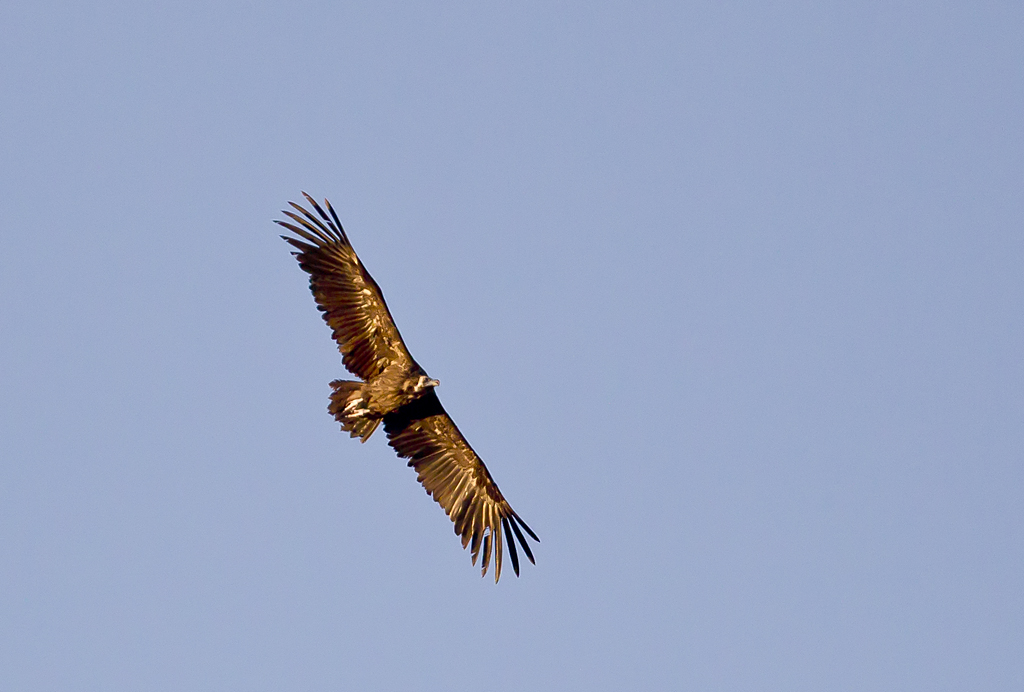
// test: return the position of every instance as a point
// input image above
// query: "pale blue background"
(730, 296)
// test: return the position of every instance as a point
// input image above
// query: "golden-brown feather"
(350, 300)
(421, 431)
(455, 476)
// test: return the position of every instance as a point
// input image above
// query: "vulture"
(393, 389)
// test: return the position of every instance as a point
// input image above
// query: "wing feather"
(449, 470)
(351, 301)
(514, 520)
(511, 545)
(455, 476)
(486, 560)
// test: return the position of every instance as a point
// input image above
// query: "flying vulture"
(393, 388)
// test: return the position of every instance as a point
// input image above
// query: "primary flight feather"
(393, 388)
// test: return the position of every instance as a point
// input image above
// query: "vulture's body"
(393, 388)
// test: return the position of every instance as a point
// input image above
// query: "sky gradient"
(729, 297)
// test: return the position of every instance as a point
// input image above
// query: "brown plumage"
(396, 390)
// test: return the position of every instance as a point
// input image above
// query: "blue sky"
(728, 295)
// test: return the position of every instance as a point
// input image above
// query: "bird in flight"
(395, 390)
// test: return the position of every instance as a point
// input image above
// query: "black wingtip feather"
(334, 216)
(525, 527)
(522, 541)
(511, 547)
(318, 209)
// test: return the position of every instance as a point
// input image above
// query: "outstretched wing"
(350, 300)
(456, 477)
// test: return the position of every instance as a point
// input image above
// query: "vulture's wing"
(350, 299)
(456, 477)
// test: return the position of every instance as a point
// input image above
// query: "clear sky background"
(729, 296)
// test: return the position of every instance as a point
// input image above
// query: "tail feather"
(349, 407)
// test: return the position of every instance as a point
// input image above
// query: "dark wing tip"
(333, 215)
(457, 479)
(317, 207)
(522, 541)
(525, 527)
(511, 546)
